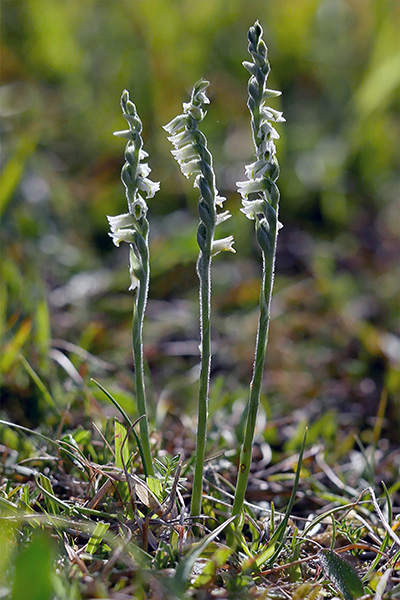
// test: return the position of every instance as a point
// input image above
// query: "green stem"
(255, 386)
(137, 344)
(204, 273)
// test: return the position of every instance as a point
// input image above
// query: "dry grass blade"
(385, 524)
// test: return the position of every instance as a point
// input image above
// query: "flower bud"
(136, 270)
(127, 134)
(263, 235)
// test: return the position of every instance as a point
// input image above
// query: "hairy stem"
(204, 273)
(139, 308)
(256, 382)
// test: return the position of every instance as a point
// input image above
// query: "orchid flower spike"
(264, 171)
(134, 175)
(193, 156)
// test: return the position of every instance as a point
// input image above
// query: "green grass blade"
(97, 537)
(121, 447)
(128, 420)
(11, 350)
(121, 457)
(52, 502)
(33, 570)
(35, 377)
(183, 572)
(31, 431)
(13, 170)
(278, 536)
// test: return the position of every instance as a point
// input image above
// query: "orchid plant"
(133, 228)
(194, 158)
(263, 209)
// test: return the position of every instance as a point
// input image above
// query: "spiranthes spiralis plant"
(263, 209)
(133, 228)
(194, 158)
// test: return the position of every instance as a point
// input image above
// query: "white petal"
(267, 93)
(185, 153)
(143, 169)
(127, 134)
(176, 124)
(148, 186)
(219, 200)
(134, 281)
(272, 114)
(249, 187)
(124, 220)
(256, 169)
(224, 244)
(252, 208)
(221, 217)
(190, 168)
(122, 235)
(181, 138)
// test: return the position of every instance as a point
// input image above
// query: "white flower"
(219, 200)
(191, 168)
(267, 146)
(138, 207)
(122, 235)
(252, 208)
(127, 134)
(270, 131)
(143, 170)
(185, 153)
(125, 220)
(221, 217)
(256, 169)
(176, 124)
(134, 281)
(148, 186)
(181, 138)
(273, 115)
(249, 187)
(224, 244)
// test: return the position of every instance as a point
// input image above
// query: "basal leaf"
(342, 575)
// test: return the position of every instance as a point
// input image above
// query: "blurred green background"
(334, 341)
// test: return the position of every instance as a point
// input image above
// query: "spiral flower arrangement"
(263, 209)
(194, 158)
(133, 228)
